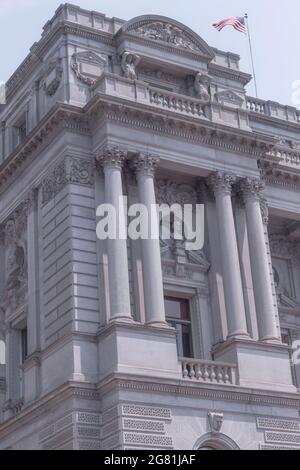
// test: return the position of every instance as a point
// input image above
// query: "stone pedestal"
(260, 365)
(138, 349)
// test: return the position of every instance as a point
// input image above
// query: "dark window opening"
(178, 316)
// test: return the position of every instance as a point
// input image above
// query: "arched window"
(215, 441)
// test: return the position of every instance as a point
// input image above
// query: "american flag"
(238, 22)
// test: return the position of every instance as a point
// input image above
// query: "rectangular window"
(24, 345)
(20, 130)
(178, 316)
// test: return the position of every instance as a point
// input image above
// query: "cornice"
(168, 123)
(60, 117)
(226, 72)
(276, 174)
(273, 121)
(69, 117)
(38, 50)
(182, 388)
(232, 393)
(33, 411)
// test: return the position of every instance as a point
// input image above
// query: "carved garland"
(70, 170)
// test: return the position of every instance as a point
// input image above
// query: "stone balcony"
(273, 110)
(210, 372)
(227, 110)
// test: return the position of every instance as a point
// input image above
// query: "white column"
(112, 161)
(234, 300)
(152, 273)
(260, 267)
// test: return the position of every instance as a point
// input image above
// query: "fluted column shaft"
(152, 272)
(260, 267)
(233, 289)
(112, 161)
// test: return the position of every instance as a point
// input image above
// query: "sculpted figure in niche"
(129, 64)
(16, 277)
(201, 86)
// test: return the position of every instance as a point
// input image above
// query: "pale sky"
(273, 24)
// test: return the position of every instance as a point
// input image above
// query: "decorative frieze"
(146, 411)
(281, 424)
(81, 427)
(282, 438)
(146, 440)
(70, 170)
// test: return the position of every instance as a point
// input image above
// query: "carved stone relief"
(177, 261)
(53, 76)
(15, 250)
(201, 86)
(229, 97)
(88, 66)
(167, 33)
(70, 170)
(215, 421)
(129, 64)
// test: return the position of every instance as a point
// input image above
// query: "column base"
(238, 335)
(159, 324)
(121, 318)
(260, 365)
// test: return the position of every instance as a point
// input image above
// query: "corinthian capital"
(145, 164)
(221, 183)
(112, 157)
(251, 188)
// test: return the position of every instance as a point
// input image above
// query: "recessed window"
(24, 344)
(20, 131)
(178, 316)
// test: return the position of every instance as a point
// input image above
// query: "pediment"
(167, 31)
(229, 96)
(285, 301)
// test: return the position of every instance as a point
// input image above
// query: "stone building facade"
(141, 344)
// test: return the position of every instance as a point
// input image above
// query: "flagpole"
(251, 53)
